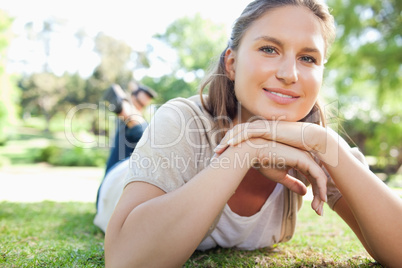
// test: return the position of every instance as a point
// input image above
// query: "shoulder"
(190, 105)
(184, 113)
(178, 119)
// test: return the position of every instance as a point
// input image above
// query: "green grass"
(50, 234)
(318, 242)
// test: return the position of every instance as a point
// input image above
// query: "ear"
(230, 63)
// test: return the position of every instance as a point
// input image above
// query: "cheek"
(313, 81)
(250, 72)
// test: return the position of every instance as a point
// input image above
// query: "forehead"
(290, 24)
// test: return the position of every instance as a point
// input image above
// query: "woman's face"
(278, 67)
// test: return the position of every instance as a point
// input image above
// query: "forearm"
(377, 210)
(165, 231)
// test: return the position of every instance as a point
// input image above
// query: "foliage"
(367, 52)
(114, 67)
(7, 90)
(41, 92)
(197, 43)
(3, 122)
(50, 234)
(29, 145)
(75, 156)
(365, 69)
(170, 87)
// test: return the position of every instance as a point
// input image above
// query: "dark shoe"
(115, 96)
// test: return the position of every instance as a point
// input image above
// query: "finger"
(318, 181)
(318, 206)
(256, 129)
(224, 143)
(282, 176)
(221, 148)
(320, 188)
(294, 185)
(282, 155)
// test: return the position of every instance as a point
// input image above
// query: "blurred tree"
(197, 43)
(41, 92)
(8, 93)
(75, 87)
(43, 34)
(366, 70)
(367, 52)
(47, 94)
(118, 61)
(169, 87)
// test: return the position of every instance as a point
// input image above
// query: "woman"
(180, 194)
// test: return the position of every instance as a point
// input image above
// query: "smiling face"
(278, 67)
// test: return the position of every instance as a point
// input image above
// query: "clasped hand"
(279, 146)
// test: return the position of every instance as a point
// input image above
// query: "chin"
(282, 117)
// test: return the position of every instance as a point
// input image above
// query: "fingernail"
(215, 156)
(321, 208)
(217, 148)
(230, 142)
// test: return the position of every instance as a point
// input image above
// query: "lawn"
(51, 234)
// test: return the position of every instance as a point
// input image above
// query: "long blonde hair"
(222, 102)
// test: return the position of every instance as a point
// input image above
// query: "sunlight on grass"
(50, 234)
(318, 242)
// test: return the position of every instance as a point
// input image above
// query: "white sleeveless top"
(260, 230)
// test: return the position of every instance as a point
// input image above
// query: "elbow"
(117, 256)
(389, 257)
(394, 261)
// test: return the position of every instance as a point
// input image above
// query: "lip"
(281, 99)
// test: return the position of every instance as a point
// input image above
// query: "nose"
(287, 71)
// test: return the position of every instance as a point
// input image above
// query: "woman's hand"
(290, 150)
(274, 160)
(305, 136)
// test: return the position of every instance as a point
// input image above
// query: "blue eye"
(268, 49)
(308, 59)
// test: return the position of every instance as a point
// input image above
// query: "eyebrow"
(270, 39)
(279, 43)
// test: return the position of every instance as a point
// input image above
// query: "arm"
(150, 228)
(370, 208)
(153, 229)
(376, 209)
(343, 210)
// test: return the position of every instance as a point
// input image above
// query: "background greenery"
(362, 81)
(362, 84)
